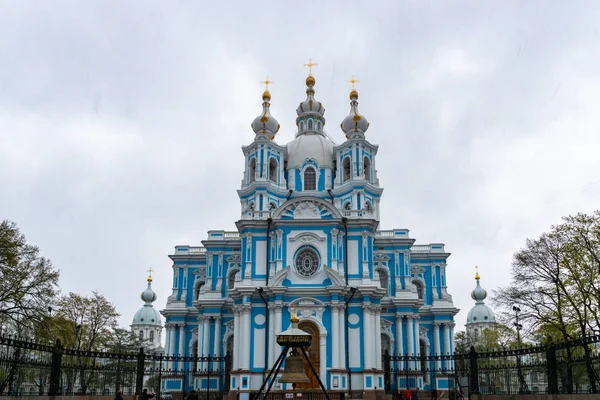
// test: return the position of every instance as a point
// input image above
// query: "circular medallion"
(259, 319)
(353, 319)
(307, 261)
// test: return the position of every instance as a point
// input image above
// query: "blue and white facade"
(307, 240)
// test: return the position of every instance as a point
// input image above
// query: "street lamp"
(518, 326)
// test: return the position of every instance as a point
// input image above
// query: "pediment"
(306, 208)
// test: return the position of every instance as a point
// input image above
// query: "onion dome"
(480, 313)
(310, 112)
(147, 315)
(354, 124)
(265, 125)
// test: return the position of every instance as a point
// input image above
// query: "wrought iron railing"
(30, 368)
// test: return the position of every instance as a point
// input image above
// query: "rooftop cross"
(353, 81)
(476, 272)
(150, 271)
(310, 65)
(267, 82)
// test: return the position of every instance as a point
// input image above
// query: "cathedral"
(308, 242)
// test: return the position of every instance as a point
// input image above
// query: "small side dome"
(354, 123)
(265, 125)
(147, 315)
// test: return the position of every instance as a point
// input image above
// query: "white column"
(205, 340)
(335, 344)
(181, 342)
(436, 345)
(447, 343)
(236, 338)
(367, 336)
(199, 343)
(410, 340)
(172, 340)
(217, 339)
(278, 329)
(323, 360)
(417, 341)
(342, 336)
(452, 344)
(246, 333)
(399, 340)
(272, 338)
(377, 329)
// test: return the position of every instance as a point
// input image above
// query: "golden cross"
(476, 272)
(310, 65)
(150, 271)
(352, 81)
(267, 82)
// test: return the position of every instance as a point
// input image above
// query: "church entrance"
(313, 353)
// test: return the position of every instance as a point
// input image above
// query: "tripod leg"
(271, 372)
(315, 372)
(281, 359)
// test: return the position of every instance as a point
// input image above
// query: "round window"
(307, 261)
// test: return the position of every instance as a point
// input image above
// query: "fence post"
(54, 389)
(139, 375)
(551, 369)
(473, 372)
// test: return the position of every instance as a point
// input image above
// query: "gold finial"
(294, 318)
(310, 65)
(477, 273)
(267, 82)
(353, 81)
(150, 271)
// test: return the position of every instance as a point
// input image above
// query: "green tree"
(555, 281)
(28, 282)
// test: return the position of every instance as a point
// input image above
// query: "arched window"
(252, 170)
(141, 335)
(231, 282)
(346, 169)
(423, 349)
(310, 179)
(419, 287)
(152, 336)
(384, 280)
(310, 124)
(368, 206)
(367, 166)
(273, 170)
(199, 289)
(251, 206)
(347, 206)
(272, 206)
(319, 126)
(301, 125)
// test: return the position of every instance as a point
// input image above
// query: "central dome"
(313, 146)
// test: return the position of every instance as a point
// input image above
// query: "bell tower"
(356, 186)
(264, 185)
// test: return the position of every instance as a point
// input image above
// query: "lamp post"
(518, 326)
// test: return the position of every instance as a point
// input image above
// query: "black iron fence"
(568, 367)
(30, 368)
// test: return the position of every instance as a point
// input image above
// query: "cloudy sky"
(121, 122)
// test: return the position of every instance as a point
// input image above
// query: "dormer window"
(310, 124)
(310, 179)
